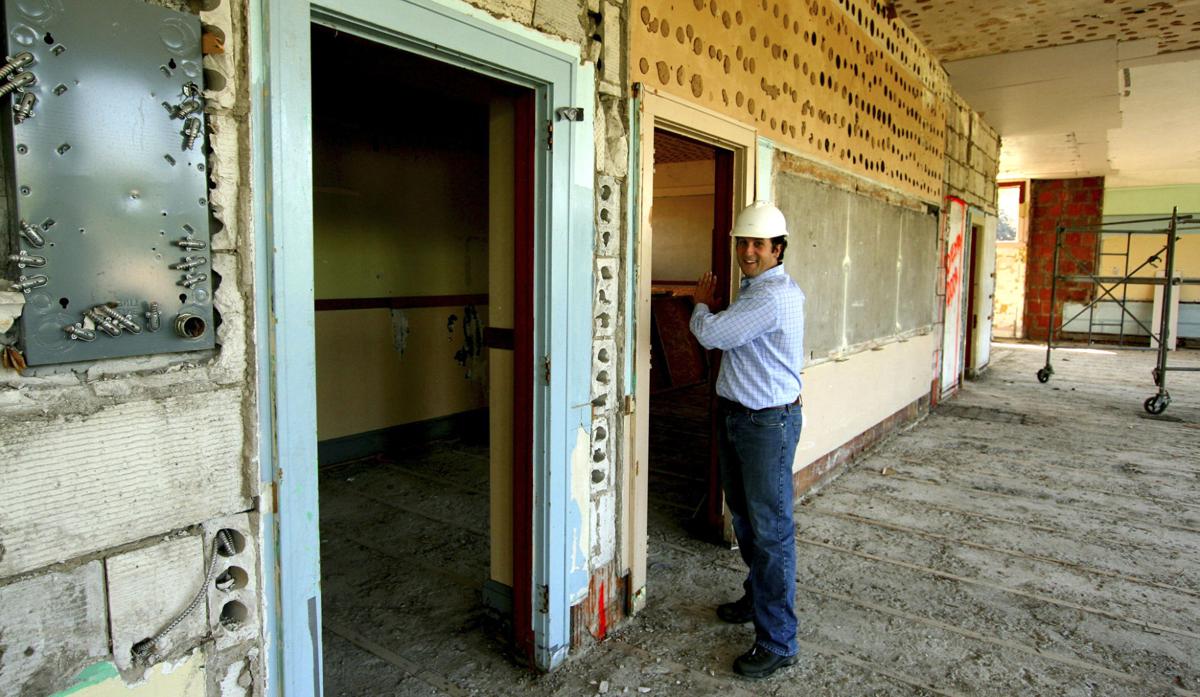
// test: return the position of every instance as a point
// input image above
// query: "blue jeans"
(756, 449)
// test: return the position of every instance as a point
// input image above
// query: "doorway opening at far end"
(690, 222)
(423, 263)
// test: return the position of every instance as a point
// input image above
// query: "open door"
(983, 282)
(735, 148)
(953, 270)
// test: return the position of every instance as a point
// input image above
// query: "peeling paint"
(579, 508)
(181, 678)
(400, 331)
(471, 354)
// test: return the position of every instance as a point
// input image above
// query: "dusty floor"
(1025, 539)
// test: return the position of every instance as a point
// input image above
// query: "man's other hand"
(706, 289)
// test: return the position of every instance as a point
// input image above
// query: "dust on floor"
(1024, 539)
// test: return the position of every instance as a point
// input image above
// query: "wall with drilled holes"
(834, 79)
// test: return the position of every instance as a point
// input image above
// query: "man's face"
(755, 255)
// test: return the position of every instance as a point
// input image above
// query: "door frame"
(281, 160)
(983, 285)
(659, 110)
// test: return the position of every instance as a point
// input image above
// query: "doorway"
(422, 224)
(285, 356)
(691, 215)
(730, 176)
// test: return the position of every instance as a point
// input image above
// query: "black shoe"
(739, 611)
(759, 663)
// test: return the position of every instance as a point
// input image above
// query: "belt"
(731, 405)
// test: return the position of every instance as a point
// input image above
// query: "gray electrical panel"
(108, 182)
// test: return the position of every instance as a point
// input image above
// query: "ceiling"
(1076, 87)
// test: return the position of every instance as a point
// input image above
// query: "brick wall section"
(1067, 203)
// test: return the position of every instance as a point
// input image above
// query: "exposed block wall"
(147, 589)
(972, 156)
(1055, 203)
(76, 484)
(839, 81)
(52, 627)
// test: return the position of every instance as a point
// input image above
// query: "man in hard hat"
(758, 390)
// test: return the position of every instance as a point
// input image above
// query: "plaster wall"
(399, 215)
(844, 398)
(683, 220)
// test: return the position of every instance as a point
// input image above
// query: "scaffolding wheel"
(1043, 375)
(1156, 404)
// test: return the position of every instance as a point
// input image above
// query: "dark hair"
(780, 242)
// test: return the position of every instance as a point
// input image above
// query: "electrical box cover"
(108, 183)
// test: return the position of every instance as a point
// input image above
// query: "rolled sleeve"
(745, 320)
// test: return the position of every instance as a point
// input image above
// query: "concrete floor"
(1025, 539)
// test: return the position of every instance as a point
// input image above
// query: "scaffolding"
(1175, 226)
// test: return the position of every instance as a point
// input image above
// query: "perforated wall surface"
(834, 79)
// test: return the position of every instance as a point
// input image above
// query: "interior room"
(682, 397)
(414, 267)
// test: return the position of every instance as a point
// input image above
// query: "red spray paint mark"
(603, 630)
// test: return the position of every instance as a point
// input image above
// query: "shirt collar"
(776, 270)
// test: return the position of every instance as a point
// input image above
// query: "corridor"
(1024, 539)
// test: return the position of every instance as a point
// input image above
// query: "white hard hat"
(760, 219)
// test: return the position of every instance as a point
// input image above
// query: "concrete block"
(233, 673)
(600, 135)
(233, 595)
(608, 216)
(147, 589)
(604, 303)
(616, 160)
(563, 18)
(225, 175)
(220, 91)
(51, 628)
(613, 44)
(604, 535)
(602, 475)
(604, 375)
(229, 366)
(77, 484)
(519, 10)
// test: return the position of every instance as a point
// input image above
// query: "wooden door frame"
(659, 110)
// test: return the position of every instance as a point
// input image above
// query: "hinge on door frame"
(544, 599)
(546, 368)
(549, 134)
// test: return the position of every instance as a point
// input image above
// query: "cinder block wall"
(117, 474)
(972, 156)
(1067, 203)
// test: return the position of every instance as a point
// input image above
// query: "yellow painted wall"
(182, 678)
(1010, 290)
(396, 218)
(682, 219)
(411, 222)
(500, 362)
(1153, 201)
(1011, 257)
(364, 382)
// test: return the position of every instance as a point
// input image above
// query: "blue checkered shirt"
(762, 335)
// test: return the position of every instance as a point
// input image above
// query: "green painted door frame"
(281, 94)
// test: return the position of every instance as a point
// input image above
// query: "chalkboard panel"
(867, 267)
